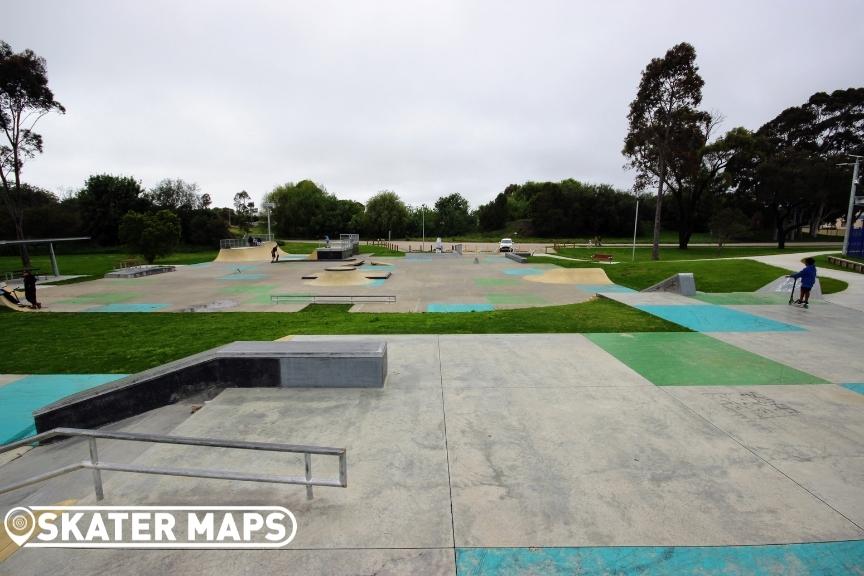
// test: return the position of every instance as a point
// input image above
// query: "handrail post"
(97, 474)
(307, 458)
(343, 469)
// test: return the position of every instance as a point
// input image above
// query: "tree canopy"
(24, 99)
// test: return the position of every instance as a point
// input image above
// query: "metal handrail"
(316, 298)
(97, 466)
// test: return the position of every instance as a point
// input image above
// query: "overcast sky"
(423, 98)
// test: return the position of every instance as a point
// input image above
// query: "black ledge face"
(345, 364)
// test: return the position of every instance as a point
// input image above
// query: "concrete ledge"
(516, 257)
(139, 271)
(236, 365)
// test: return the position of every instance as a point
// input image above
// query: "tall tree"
(24, 99)
(176, 194)
(665, 105)
(386, 214)
(453, 216)
(244, 210)
(104, 201)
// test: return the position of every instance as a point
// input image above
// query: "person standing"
(30, 289)
(274, 254)
(808, 280)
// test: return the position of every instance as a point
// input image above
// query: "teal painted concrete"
(522, 271)
(447, 307)
(824, 558)
(20, 398)
(603, 288)
(243, 276)
(709, 318)
(859, 388)
(123, 307)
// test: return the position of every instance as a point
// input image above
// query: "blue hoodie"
(807, 276)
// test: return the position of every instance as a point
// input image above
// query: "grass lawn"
(711, 275)
(51, 343)
(380, 251)
(96, 265)
(822, 261)
(668, 254)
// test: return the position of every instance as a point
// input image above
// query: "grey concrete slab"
(531, 361)
(398, 485)
(614, 466)
(810, 433)
(29, 562)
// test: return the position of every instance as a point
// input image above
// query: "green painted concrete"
(245, 288)
(101, 298)
(484, 282)
(741, 298)
(694, 359)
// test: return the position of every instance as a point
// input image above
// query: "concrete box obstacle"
(289, 364)
(521, 258)
(139, 271)
(683, 283)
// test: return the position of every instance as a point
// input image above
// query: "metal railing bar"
(213, 474)
(161, 439)
(43, 477)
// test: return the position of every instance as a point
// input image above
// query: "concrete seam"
(447, 453)
(757, 455)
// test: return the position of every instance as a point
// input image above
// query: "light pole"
(423, 225)
(635, 226)
(852, 201)
(268, 206)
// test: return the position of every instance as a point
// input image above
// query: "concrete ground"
(488, 453)
(417, 281)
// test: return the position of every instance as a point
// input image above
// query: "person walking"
(274, 254)
(30, 289)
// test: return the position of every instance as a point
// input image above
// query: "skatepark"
(729, 447)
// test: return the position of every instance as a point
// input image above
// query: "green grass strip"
(711, 275)
(50, 343)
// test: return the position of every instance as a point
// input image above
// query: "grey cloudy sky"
(424, 98)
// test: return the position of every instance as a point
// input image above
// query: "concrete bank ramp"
(783, 285)
(333, 364)
(683, 283)
(249, 253)
(571, 276)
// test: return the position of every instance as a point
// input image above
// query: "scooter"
(792, 293)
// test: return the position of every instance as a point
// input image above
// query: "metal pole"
(307, 458)
(850, 213)
(423, 220)
(54, 267)
(635, 226)
(97, 474)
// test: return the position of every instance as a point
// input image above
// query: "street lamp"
(423, 225)
(268, 206)
(853, 200)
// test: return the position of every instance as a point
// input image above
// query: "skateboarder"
(808, 280)
(274, 254)
(9, 294)
(30, 289)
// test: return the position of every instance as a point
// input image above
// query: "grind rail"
(97, 466)
(331, 298)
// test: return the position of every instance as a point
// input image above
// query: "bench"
(331, 298)
(602, 257)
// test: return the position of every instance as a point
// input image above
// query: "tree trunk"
(816, 221)
(781, 231)
(19, 235)
(655, 248)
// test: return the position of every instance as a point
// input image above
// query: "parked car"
(506, 245)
